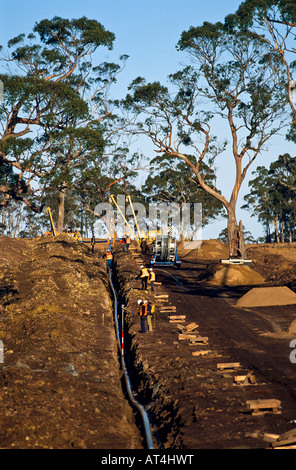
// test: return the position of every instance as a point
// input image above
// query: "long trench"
(119, 327)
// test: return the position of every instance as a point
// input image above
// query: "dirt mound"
(208, 249)
(12, 250)
(267, 296)
(292, 328)
(60, 380)
(275, 263)
(232, 275)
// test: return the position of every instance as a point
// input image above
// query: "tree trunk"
(236, 236)
(61, 208)
(276, 231)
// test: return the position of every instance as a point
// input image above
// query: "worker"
(93, 242)
(127, 242)
(152, 261)
(143, 245)
(77, 235)
(144, 275)
(151, 279)
(109, 258)
(124, 242)
(142, 314)
(150, 311)
(109, 241)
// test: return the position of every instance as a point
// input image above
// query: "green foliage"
(56, 93)
(272, 197)
(173, 181)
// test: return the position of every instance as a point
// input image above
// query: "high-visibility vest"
(128, 240)
(144, 272)
(143, 310)
(152, 276)
(109, 255)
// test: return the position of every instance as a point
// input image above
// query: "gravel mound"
(267, 296)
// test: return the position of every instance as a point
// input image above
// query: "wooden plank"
(269, 437)
(169, 307)
(199, 339)
(283, 442)
(288, 437)
(288, 434)
(228, 365)
(263, 403)
(191, 326)
(262, 406)
(285, 447)
(185, 336)
(176, 321)
(161, 296)
(177, 317)
(245, 379)
(201, 353)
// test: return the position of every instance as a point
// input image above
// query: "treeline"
(65, 142)
(272, 199)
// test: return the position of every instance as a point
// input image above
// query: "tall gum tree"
(226, 86)
(273, 22)
(38, 94)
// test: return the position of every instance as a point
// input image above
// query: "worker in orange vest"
(142, 314)
(109, 258)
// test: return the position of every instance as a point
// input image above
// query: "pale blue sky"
(148, 32)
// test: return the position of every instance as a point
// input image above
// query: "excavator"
(55, 233)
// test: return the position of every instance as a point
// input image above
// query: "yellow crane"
(54, 232)
(124, 218)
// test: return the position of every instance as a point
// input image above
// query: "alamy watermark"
(180, 221)
(1, 352)
(293, 353)
(1, 92)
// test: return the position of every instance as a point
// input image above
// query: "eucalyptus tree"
(46, 120)
(170, 181)
(274, 22)
(271, 198)
(228, 90)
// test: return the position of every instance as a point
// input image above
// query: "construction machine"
(162, 245)
(164, 249)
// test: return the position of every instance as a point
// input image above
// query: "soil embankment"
(60, 379)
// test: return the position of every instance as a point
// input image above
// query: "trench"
(156, 406)
(140, 409)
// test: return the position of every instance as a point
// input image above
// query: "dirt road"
(209, 409)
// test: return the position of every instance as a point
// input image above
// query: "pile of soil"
(292, 328)
(275, 262)
(208, 249)
(60, 380)
(267, 296)
(231, 275)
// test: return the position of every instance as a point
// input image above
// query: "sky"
(148, 33)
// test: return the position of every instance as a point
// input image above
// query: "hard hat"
(139, 302)
(150, 269)
(142, 266)
(145, 301)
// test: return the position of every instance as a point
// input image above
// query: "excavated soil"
(61, 381)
